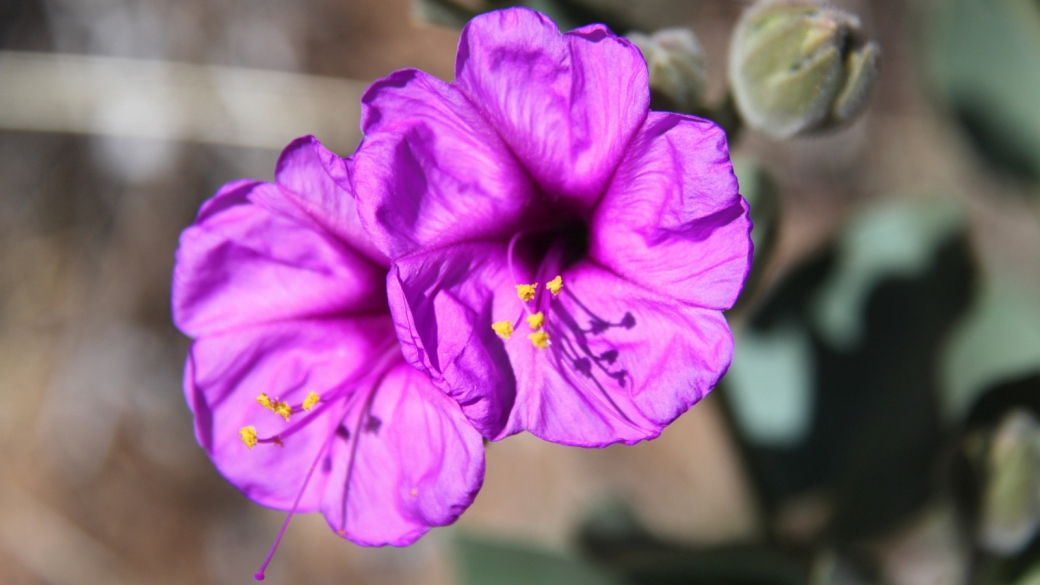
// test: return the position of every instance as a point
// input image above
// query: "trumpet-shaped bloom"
(301, 395)
(561, 254)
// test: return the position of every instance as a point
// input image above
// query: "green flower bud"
(677, 72)
(1010, 508)
(797, 68)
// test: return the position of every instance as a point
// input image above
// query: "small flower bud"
(676, 63)
(1009, 511)
(797, 68)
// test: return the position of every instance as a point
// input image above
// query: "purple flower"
(561, 254)
(300, 392)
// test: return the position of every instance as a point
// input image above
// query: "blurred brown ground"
(101, 480)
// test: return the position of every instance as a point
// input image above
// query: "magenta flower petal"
(296, 365)
(605, 377)
(231, 272)
(428, 158)
(448, 295)
(672, 219)
(410, 437)
(623, 363)
(226, 373)
(566, 104)
(320, 195)
(637, 213)
(421, 455)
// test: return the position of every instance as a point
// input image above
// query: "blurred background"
(879, 424)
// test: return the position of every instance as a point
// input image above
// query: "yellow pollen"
(248, 435)
(311, 401)
(283, 409)
(265, 401)
(526, 292)
(539, 339)
(414, 493)
(537, 320)
(555, 285)
(504, 329)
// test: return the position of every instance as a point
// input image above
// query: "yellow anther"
(415, 493)
(539, 339)
(504, 329)
(536, 321)
(526, 292)
(248, 435)
(265, 401)
(311, 401)
(555, 285)
(283, 409)
(275, 406)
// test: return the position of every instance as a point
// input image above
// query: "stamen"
(526, 292)
(265, 401)
(539, 339)
(259, 576)
(555, 285)
(311, 400)
(248, 435)
(504, 329)
(537, 320)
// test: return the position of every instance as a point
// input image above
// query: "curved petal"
(672, 218)
(241, 264)
(286, 361)
(417, 463)
(567, 105)
(622, 364)
(316, 181)
(430, 171)
(443, 304)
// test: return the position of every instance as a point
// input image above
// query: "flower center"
(578, 336)
(530, 298)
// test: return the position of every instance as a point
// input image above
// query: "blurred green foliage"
(999, 339)
(854, 421)
(880, 243)
(982, 59)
